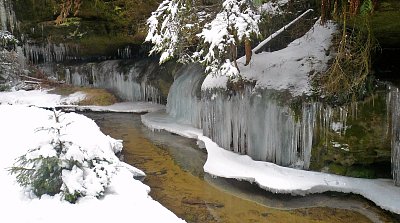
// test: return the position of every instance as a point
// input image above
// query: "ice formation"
(7, 16)
(257, 125)
(130, 82)
(48, 52)
(266, 124)
(244, 122)
(184, 101)
(395, 110)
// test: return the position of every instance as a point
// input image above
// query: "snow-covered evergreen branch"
(172, 26)
(233, 25)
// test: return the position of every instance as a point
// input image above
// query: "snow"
(273, 8)
(165, 37)
(42, 98)
(6, 36)
(122, 107)
(289, 68)
(125, 198)
(274, 178)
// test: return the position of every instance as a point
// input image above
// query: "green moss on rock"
(100, 27)
(385, 23)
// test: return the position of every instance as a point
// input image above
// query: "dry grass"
(94, 96)
(349, 75)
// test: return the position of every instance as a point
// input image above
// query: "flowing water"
(173, 165)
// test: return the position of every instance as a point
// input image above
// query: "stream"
(174, 168)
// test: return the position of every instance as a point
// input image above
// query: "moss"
(361, 172)
(102, 44)
(337, 169)
(364, 143)
(100, 27)
(386, 31)
(385, 25)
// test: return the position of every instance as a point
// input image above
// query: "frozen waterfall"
(256, 124)
(129, 81)
(184, 99)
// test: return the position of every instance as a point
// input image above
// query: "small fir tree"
(61, 166)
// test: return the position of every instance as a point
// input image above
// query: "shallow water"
(174, 168)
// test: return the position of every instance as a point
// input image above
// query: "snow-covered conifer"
(58, 165)
(174, 25)
(169, 28)
(234, 25)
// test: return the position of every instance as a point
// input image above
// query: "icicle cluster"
(395, 111)
(259, 126)
(47, 53)
(125, 53)
(184, 102)
(129, 83)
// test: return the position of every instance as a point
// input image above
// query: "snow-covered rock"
(288, 69)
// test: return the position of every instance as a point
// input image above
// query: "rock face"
(10, 69)
(100, 29)
(385, 25)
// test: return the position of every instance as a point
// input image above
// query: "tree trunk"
(234, 55)
(247, 47)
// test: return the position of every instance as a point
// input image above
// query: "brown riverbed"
(173, 166)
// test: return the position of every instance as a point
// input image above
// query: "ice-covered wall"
(257, 124)
(49, 52)
(395, 110)
(274, 126)
(129, 81)
(7, 16)
(184, 99)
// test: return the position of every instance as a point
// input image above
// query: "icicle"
(258, 125)
(395, 105)
(7, 16)
(3, 16)
(47, 53)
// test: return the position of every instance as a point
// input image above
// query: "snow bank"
(289, 68)
(277, 179)
(125, 198)
(123, 107)
(41, 98)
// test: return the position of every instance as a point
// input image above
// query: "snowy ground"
(274, 178)
(126, 199)
(41, 98)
